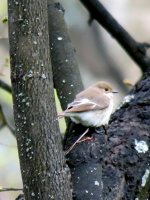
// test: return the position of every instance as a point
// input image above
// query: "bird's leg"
(77, 141)
(86, 139)
(105, 130)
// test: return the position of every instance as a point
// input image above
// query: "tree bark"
(44, 172)
(66, 75)
(124, 151)
(113, 166)
(128, 147)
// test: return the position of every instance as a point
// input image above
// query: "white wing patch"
(82, 102)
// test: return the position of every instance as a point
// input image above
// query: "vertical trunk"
(39, 142)
(67, 79)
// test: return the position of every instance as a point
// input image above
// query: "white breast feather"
(93, 118)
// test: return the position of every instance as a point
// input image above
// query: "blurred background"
(100, 58)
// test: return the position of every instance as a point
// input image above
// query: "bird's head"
(105, 87)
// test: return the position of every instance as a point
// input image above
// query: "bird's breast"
(93, 118)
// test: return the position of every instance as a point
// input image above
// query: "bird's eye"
(106, 89)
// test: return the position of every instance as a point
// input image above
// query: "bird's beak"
(114, 92)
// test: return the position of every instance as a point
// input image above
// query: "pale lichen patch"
(34, 42)
(141, 146)
(126, 99)
(32, 194)
(96, 183)
(43, 76)
(145, 177)
(59, 38)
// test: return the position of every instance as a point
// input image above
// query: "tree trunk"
(113, 166)
(124, 152)
(66, 75)
(45, 175)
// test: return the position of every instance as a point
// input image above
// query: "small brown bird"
(92, 107)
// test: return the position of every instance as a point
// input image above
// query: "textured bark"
(129, 126)
(105, 168)
(85, 162)
(44, 173)
(67, 80)
(124, 163)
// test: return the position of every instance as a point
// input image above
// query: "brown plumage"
(91, 107)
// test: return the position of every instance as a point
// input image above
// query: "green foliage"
(62, 124)
(5, 20)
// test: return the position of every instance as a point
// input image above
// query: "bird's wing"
(93, 101)
(80, 103)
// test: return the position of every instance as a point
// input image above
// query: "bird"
(92, 107)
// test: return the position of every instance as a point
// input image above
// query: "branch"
(137, 51)
(10, 189)
(6, 111)
(20, 197)
(5, 86)
(7, 115)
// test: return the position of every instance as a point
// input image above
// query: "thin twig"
(5, 86)
(137, 51)
(7, 145)
(66, 152)
(10, 189)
